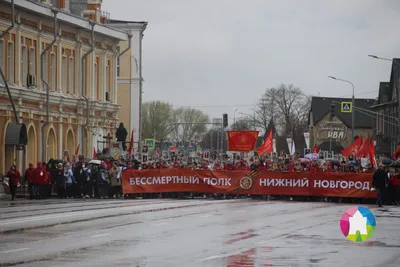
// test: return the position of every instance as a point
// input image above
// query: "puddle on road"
(377, 244)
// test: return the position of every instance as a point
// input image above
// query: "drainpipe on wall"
(92, 24)
(140, 94)
(42, 57)
(120, 54)
(1, 70)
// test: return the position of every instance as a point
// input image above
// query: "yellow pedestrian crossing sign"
(346, 107)
(151, 143)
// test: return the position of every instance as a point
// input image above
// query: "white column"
(103, 63)
(39, 132)
(38, 63)
(17, 61)
(92, 58)
(78, 56)
(114, 79)
(60, 137)
(59, 66)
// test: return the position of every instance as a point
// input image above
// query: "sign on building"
(346, 107)
(332, 130)
(151, 143)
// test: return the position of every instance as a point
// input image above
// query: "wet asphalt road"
(158, 232)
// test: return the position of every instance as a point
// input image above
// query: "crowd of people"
(84, 180)
(79, 180)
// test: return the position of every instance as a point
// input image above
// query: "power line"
(252, 105)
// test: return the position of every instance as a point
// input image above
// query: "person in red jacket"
(14, 176)
(393, 188)
(38, 180)
(46, 181)
(29, 178)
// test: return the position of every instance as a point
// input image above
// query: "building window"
(64, 74)
(24, 65)
(10, 62)
(118, 69)
(2, 54)
(53, 71)
(107, 84)
(32, 61)
(71, 75)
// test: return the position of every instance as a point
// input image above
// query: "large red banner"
(246, 182)
(242, 141)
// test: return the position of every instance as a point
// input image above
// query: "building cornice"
(57, 98)
(46, 10)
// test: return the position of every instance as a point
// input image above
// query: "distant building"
(336, 131)
(386, 121)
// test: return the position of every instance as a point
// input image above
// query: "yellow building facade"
(20, 59)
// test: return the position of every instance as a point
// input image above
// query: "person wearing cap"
(38, 177)
(379, 182)
(14, 176)
(29, 178)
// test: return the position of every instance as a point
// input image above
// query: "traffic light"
(225, 120)
(332, 110)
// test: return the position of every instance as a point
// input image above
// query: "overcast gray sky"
(221, 55)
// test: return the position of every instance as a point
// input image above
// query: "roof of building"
(126, 21)
(320, 106)
(66, 17)
(395, 73)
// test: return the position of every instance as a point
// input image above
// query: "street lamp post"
(398, 100)
(352, 104)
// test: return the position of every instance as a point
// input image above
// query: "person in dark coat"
(379, 182)
(60, 181)
(102, 181)
(121, 135)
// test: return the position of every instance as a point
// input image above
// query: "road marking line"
(206, 216)
(15, 250)
(159, 224)
(100, 235)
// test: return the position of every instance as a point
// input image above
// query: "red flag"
(77, 150)
(68, 159)
(363, 152)
(94, 153)
(372, 152)
(173, 148)
(397, 153)
(315, 149)
(131, 144)
(242, 141)
(353, 148)
(266, 146)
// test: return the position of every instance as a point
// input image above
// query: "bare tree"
(266, 109)
(293, 105)
(243, 124)
(190, 124)
(157, 117)
(286, 105)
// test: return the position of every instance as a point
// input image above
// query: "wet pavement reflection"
(221, 233)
